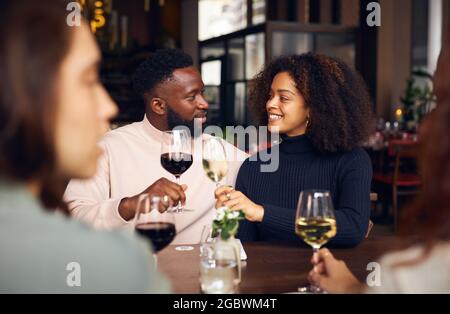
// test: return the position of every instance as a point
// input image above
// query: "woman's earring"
(307, 123)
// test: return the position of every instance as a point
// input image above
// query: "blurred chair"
(400, 179)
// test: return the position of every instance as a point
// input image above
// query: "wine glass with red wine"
(176, 154)
(154, 221)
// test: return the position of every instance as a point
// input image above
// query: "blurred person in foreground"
(424, 266)
(53, 110)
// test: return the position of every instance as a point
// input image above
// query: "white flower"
(220, 213)
(225, 212)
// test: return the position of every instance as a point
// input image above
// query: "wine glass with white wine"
(214, 158)
(315, 223)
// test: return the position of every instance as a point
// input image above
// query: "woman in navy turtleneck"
(323, 112)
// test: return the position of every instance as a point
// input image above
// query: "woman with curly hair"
(423, 265)
(323, 112)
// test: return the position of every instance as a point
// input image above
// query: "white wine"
(216, 170)
(316, 231)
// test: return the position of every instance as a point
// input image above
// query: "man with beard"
(172, 90)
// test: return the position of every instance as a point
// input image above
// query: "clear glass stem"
(179, 206)
(316, 288)
(155, 257)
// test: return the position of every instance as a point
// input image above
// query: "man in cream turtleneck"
(172, 90)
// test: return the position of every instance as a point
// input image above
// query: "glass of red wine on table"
(176, 155)
(155, 221)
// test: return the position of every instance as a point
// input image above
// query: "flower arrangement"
(226, 223)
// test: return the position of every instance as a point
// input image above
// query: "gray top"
(429, 275)
(42, 252)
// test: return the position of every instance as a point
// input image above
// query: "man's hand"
(162, 188)
(236, 200)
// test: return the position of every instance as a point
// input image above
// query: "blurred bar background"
(231, 40)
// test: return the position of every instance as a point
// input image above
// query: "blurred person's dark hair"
(158, 68)
(341, 111)
(429, 215)
(34, 39)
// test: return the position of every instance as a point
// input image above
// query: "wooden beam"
(302, 11)
(189, 29)
(326, 14)
(350, 12)
(249, 12)
(282, 10)
(366, 56)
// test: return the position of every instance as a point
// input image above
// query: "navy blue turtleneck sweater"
(346, 175)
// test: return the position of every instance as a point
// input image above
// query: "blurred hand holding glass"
(315, 222)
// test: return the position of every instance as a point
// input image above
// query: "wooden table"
(270, 267)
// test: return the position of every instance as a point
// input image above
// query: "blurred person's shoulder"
(410, 271)
(48, 247)
(112, 261)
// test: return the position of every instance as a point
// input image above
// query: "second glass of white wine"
(315, 223)
(214, 158)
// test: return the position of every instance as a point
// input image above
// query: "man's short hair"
(159, 68)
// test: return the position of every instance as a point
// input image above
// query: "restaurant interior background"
(230, 40)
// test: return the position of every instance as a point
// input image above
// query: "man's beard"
(174, 120)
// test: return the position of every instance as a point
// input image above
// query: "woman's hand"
(332, 275)
(236, 200)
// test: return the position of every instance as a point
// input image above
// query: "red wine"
(159, 233)
(176, 163)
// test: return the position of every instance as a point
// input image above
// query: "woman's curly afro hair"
(341, 112)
